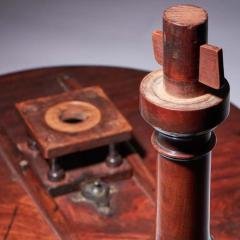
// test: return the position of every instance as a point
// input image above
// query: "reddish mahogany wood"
(180, 120)
(184, 194)
(71, 180)
(225, 204)
(157, 41)
(183, 113)
(31, 184)
(185, 30)
(141, 172)
(211, 71)
(183, 186)
(110, 126)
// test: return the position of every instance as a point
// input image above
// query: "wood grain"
(157, 42)
(183, 113)
(211, 71)
(103, 124)
(185, 30)
(225, 195)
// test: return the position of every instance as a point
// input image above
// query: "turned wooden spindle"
(184, 102)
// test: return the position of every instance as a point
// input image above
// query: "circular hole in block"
(73, 117)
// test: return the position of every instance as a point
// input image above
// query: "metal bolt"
(99, 189)
(114, 159)
(96, 191)
(55, 173)
(32, 144)
(24, 165)
(105, 210)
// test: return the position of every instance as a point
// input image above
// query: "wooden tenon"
(184, 102)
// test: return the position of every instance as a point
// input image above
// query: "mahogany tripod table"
(19, 216)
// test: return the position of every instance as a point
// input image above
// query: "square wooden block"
(74, 121)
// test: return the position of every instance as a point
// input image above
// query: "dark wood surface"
(19, 217)
(109, 126)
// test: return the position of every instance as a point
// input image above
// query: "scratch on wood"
(9, 227)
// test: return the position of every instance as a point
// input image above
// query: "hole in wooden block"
(72, 117)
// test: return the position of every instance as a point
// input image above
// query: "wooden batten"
(211, 72)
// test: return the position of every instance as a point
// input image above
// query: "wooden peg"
(157, 40)
(211, 72)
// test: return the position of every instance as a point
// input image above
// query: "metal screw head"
(56, 175)
(96, 191)
(24, 165)
(114, 161)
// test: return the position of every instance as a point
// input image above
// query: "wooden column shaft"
(183, 186)
(183, 193)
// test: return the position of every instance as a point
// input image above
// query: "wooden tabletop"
(19, 217)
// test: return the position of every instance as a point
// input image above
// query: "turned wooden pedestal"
(184, 102)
